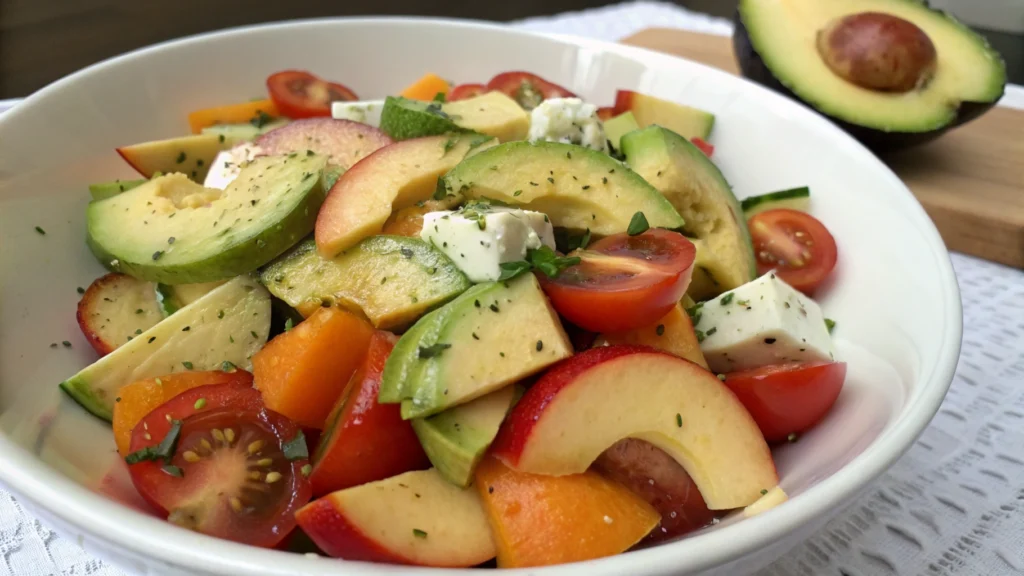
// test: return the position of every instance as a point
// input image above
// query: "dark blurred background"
(42, 40)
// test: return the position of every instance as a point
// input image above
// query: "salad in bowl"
(463, 324)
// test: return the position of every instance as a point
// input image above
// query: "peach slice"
(594, 399)
(543, 520)
(392, 178)
(414, 518)
(673, 333)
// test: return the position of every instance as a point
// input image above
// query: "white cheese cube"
(479, 238)
(568, 120)
(366, 112)
(228, 163)
(763, 322)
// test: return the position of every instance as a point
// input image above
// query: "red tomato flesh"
(235, 482)
(788, 398)
(794, 244)
(706, 147)
(623, 282)
(529, 90)
(463, 91)
(300, 94)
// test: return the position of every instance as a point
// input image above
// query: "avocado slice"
(174, 231)
(105, 190)
(229, 324)
(392, 280)
(615, 128)
(492, 335)
(493, 114)
(455, 440)
(797, 47)
(697, 189)
(578, 188)
(234, 134)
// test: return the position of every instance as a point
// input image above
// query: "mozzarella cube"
(479, 238)
(763, 322)
(228, 163)
(366, 112)
(568, 120)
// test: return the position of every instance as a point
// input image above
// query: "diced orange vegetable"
(136, 400)
(426, 88)
(304, 371)
(231, 114)
(409, 221)
(673, 334)
(543, 520)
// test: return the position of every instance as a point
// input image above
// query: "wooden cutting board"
(970, 181)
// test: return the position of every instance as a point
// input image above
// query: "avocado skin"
(878, 141)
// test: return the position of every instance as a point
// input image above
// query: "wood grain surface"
(970, 181)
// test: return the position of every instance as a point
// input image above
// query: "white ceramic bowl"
(894, 294)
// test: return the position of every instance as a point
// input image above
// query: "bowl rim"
(145, 537)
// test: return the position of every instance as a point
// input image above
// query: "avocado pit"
(878, 51)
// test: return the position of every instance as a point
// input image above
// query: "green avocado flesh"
(615, 128)
(455, 440)
(697, 189)
(105, 190)
(784, 35)
(492, 335)
(392, 280)
(230, 324)
(403, 118)
(576, 187)
(174, 231)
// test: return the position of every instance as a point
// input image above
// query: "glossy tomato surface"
(529, 90)
(788, 399)
(794, 244)
(623, 282)
(463, 91)
(300, 94)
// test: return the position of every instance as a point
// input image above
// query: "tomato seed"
(272, 477)
(190, 457)
(255, 447)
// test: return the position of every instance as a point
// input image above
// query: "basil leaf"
(296, 449)
(547, 261)
(433, 350)
(638, 225)
(510, 270)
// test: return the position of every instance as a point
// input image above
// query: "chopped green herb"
(517, 192)
(679, 420)
(139, 311)
(406, 252)
(547, 261)
(157, 254)
(700, 335)
(162, 451)
(80, 290)
(173, 470)
(151, 340)
(306, 470)
(494, 307)
(540, 345)
(763, 492)
(510, 270)
(711, 331)
(419, 533)
(660, 329)
(638, 224)
(830, 324)
(187, 365)
(726, 299)
(53, 344)
(226, 366)
(721, 377)
(288, 324)
(220, 314)
(181, 157)
(261, 119)
(186, 328)
(254, 334)
(66, 344)
(433, 350)
(439, 97)
(296, 449)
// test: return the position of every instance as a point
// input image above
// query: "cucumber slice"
(793, 198)
(229, 324)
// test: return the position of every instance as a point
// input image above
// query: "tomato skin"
(796, 245)
(299, 94)
(366, 441)
(198, 499)
(527, 89)
(706, 147)
(464, 91)
(623, 282)
(788, 399)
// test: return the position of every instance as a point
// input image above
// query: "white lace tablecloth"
(953, 506)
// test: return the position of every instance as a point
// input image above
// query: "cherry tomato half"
(300, 94)
(788, 398)
(623, 282)
(227, 475)
(606, 113)
(463, 91)
(794, 244)
(529, 90)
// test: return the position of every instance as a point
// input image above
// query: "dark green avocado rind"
(753, 67)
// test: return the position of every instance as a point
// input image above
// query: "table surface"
(952, 506)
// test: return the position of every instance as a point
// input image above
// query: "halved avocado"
(892, 73)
